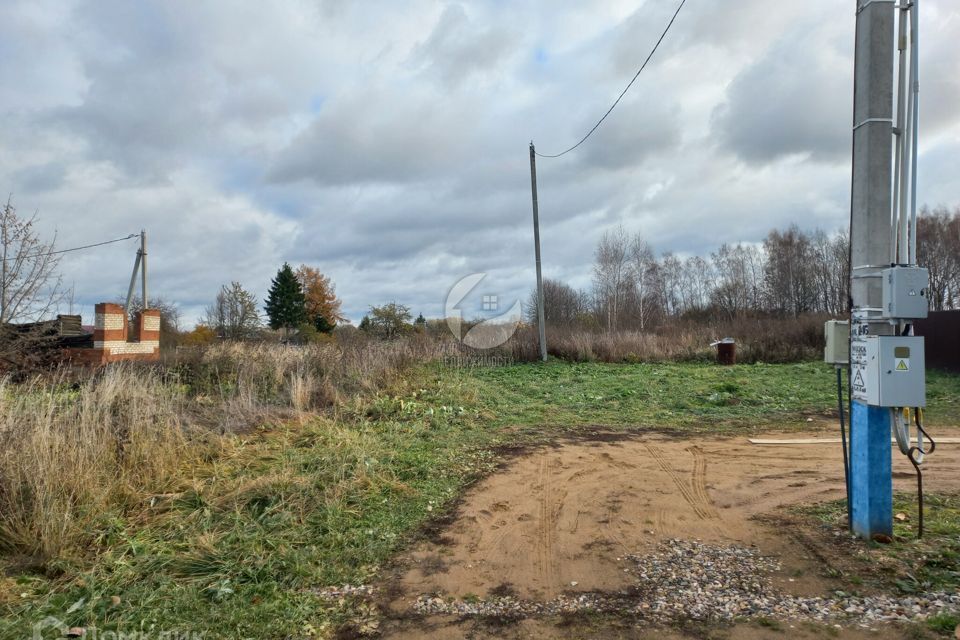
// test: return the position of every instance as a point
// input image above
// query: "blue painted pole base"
(871, 482)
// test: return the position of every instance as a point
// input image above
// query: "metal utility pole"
(536, 245)
(871, 486)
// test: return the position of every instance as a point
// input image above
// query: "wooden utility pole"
(536, 245)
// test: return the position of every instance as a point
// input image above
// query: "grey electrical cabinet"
(905, 292)
(837, 333)
(888, 371)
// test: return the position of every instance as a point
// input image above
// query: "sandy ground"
(560, 519)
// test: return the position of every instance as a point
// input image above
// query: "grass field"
(244, 545)
(678, 397)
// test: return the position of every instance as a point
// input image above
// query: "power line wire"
(86, 246)
(622, 93)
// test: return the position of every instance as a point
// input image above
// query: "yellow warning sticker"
(903, 364)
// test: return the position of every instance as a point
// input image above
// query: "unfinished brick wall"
(110, 333)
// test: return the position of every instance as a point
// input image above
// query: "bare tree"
(30, 286)
(643, 278)
(669, 284)
(169, 318)
(829, 258)
(739, 271)
(953, 241)
(563, 306)
(697, 284)
(234, 313)
(789, 271)
(611, 275)
(938, 249)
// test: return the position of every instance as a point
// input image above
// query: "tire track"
(702, 511)
(698, 481)
(545, 533)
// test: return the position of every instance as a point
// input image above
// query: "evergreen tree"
(285, 305)
(323, 325)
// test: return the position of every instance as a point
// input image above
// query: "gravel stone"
(689, 579)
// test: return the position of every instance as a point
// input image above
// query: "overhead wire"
(622, 93)
(86, 246)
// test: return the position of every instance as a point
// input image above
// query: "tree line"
(789, 273)
(302, 300)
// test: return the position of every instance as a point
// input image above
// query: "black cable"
(911, 454)
(843, 440)
(86, 246)
(622, 93)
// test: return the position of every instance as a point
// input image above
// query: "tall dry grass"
(759, 339)
(79, 449)
(71, 454)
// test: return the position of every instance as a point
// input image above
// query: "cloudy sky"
(386, 142)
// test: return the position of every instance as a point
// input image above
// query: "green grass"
(240, 550)
(909, 565)
(945, 623)
(683, 397)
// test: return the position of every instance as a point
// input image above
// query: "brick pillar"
(148, 328)
(110, 325)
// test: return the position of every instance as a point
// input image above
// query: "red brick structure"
(111, 333)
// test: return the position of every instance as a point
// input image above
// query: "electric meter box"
(905, 292)
(888, 371)
(837, 333)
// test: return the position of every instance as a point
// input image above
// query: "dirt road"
(561, 519)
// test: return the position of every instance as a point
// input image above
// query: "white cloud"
(386, 143)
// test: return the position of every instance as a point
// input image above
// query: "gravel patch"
(692, 580)
(362, 591)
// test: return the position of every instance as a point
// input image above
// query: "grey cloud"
(459, 48)
(167, 84)
(377, 137)
(636, 132)
(795, 99)
(40, 177)
(939, 72)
